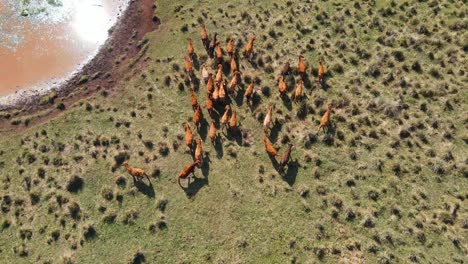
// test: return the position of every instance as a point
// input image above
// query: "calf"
(209, 106)
(222, 91)
(136, 173)
(215, 94)
(188, 67)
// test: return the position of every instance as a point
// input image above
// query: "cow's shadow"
(196, 184)
(275, 130)
(291, 173)
(218, 145)
(146, 189)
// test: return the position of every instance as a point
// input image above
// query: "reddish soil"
(137, 20)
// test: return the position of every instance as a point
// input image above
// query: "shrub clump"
(373, 70)
(368, 222)
(130, 217)
(75, 184)
(74, 210)
(398, 55)
(232, 152)
(109, 218)
(163, 149)
(107, 193)
(349, 214)
(120, 158)
(138, 258)
(89, 232)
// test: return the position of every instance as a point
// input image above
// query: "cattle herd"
(218, 90)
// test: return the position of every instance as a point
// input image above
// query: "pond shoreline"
(101, 72)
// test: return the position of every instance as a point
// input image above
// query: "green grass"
(234, 213)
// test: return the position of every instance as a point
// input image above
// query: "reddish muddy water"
(43, 42)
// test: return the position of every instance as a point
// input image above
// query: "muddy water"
(44, 41)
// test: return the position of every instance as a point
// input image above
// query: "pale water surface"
(42, 42)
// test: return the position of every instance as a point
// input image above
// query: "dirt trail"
(102, 71)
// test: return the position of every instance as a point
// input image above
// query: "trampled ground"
(386, 184)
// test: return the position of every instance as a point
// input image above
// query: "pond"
(43, 42)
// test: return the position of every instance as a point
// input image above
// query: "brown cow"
(234, 82)
(212, 45)
(193, 99)
(230, 47)
(325, 121)
(204, 36)
(269, 147)
(199, 151)
(233, 64)
(321, 73)
(267, 120)
(212, 132)
(209, 85)
(248, 52)
(197, 115)
(282, 88)
(219, 52)
(190, 49)
(301, 66)
(285, 158)
(185, 173)
(188, 136)
(219, 74)
(249, 91)
(225, 117)
(298, 92)
(233, 121)
(204, 73)
(209, 106)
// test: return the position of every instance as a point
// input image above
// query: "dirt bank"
(103, 72)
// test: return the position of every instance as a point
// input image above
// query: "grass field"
(387, 183)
